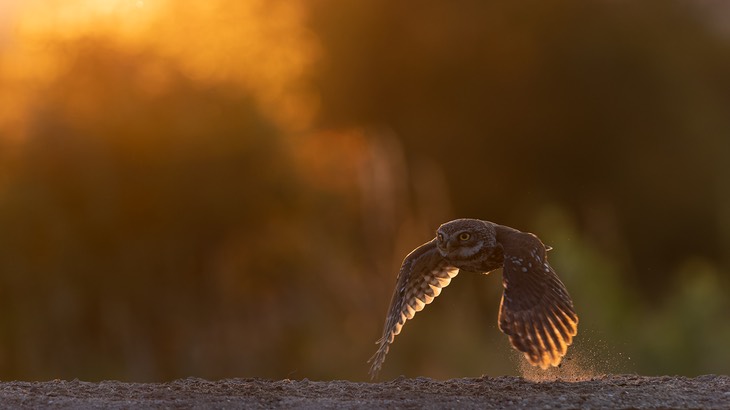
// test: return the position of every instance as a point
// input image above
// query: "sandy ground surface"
(612, 391)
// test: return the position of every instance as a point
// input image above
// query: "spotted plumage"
(536, 311)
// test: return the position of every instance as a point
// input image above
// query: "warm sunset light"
(228, 188)
(261, 46)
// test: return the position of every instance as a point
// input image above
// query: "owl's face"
(461, 239)
(469, 244)
(458, 245)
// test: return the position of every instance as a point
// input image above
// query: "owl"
(536, 311)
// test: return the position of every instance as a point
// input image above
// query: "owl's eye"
(464, 236)
(440, 237)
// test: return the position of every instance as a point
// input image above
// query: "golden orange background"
(227, 188)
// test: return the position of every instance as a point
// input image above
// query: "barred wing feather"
(422, 275)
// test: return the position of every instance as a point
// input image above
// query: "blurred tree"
(118, 204)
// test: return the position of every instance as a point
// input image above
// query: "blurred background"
(227, 188)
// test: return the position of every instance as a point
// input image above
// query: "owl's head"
(461, 239)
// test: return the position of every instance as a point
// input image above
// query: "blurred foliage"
(227, 189)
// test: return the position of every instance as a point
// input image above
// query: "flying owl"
(536, 311)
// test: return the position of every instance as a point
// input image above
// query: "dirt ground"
(613, 391)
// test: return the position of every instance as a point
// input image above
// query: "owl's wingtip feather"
(378, 358)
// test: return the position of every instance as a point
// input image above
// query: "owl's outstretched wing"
(422, 276)
(536, 311)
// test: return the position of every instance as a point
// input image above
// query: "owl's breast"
(486, 260)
